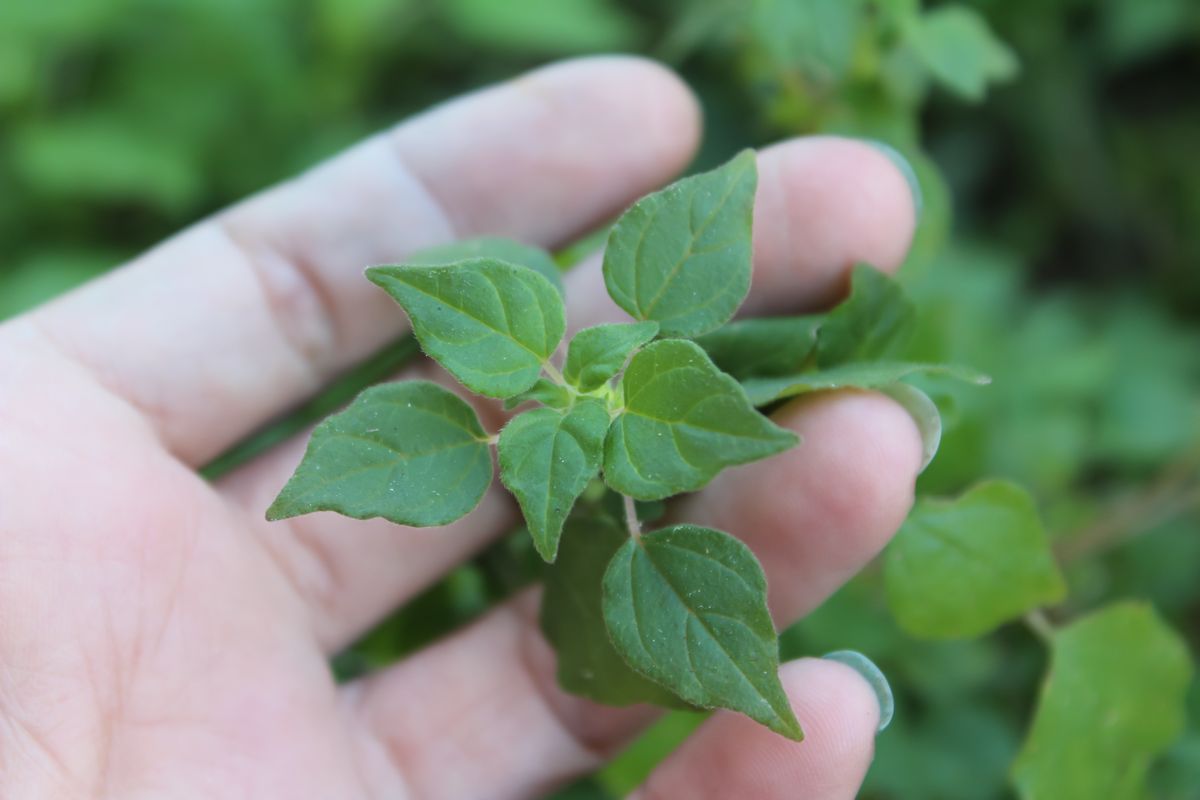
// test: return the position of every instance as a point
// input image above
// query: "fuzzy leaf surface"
(763, 346)
(547, 458)
(683, 422)
(496, 247)
(573, 619)
(411, 452)
(682, 256)
(959, 568)
(686, 607)
(1113, 701)
(490, 323)
(855, 375)
(596, 354)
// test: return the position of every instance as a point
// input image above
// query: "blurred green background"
(1058, 147)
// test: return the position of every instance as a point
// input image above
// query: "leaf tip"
(278, 510)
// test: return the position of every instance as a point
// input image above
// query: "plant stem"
(553, 374)
(631, 519)
(1037, 622)
(1175, 491)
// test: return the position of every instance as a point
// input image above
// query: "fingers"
(238, 318)
(813, 516)
(731, 756)
(353, 572)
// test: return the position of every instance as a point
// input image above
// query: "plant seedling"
(653, 407)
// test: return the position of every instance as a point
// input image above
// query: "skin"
(159, 639)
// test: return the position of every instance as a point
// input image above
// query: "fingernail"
(873, 676)
(906, 169)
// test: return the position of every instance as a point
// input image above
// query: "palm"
(159, 639)
(163, 628)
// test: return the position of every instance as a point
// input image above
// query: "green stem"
(631, 518)
(553, 374)
(1037, 622)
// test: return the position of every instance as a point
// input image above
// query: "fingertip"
(826, 203)
(634, 93)
(547, 156)
(815, 514)
(731, 756)
(837, 707)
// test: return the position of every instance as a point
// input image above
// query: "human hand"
(159, 639)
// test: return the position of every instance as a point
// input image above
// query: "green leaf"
(499, 248)
(573, 620)
(959, 568)
(855, 375)
(596, 354)
(875, 320)
(409, 452)
(814, 37)
(547, 458)
(763, 346)
(682, 256)
(686, 606)
(683, 422)
(490, 323)
(1113, 701)
(544, 391)
(960, 50)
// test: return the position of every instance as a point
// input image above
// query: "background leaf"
(683, 422)
(959, 568)
(491, 324)
(547, 458)
(687, 607)
(681, 256)
(409, 452)
(1114, 700)
(961, 51)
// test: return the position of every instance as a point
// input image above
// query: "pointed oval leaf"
(409, 452)
(959, 568)
(596, 354)
(496, 247)
(875, 320)
(573, 619)
(490, 323)
(683, 422)
(686, 607)
(682, 255)
(547, 458)
(961, 51)
(763, 347)
(1113, 701)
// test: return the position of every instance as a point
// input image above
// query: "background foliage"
(1055, 141)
